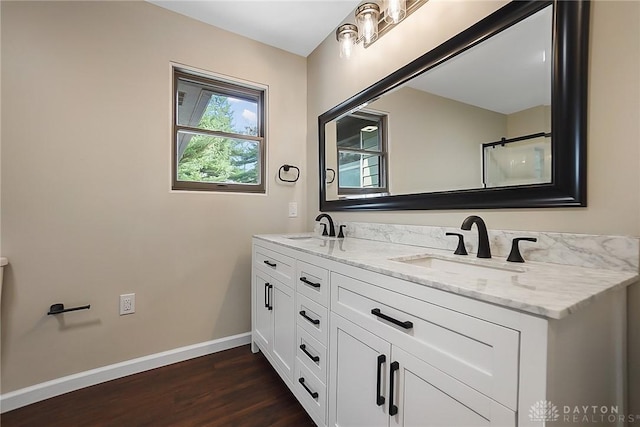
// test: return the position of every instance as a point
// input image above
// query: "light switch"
(293, 209)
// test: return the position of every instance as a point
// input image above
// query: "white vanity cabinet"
(411, 363)
(273, 306)
(312, 297)
(376, 384)
(361, 348)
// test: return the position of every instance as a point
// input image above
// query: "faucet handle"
(340, 233)
(514, 255)
(324, 229)
(461, 249)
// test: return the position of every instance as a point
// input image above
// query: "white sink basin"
(307, 237)
(299, 237)
(463, 267)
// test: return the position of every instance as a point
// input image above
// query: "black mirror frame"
(568, 121)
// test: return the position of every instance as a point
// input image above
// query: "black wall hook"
(59, 308)
(286, 168)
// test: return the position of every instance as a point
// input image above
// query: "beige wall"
(529, 121)
(87, 212)
(429, 133)
(426, 134)
(613, 133)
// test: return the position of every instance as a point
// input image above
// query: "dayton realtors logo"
(545, 411)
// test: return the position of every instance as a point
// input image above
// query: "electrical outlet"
(127, 304)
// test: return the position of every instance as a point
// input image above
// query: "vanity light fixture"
(347, 36)
(373, 23)
(367, 16)
(394, 10)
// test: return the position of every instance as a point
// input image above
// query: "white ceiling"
(508, 73)
(297, 26)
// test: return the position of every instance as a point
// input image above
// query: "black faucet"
(332, 229)
(484, 251)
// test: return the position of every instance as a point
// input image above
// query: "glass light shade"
(346, 46)
(395, 10)
(367, 16)
(346, 35)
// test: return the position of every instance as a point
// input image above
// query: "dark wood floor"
(230, 388)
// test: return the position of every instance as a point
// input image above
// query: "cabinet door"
(358, 376)
(263, 321)
(427, 397)
(284, 332)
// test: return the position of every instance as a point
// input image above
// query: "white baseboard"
(35, 393)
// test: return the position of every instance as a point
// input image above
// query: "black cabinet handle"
(266, 295)
(313, 394)
(311, 356)
(393, 409)
(269, 301)
(310, 283)
(270, 264)
(379, 397)
(406, 324)
(314, 321)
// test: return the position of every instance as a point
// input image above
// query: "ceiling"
(297, 26)
(508, 73)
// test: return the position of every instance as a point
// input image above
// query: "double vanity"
(388, 327)
(395, 325)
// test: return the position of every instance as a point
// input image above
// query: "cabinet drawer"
(279, 266)
(312, 354)
(313, 282)
(478, 353)
(313, 318)
(311, 392)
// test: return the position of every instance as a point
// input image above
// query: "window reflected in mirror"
(361, 154)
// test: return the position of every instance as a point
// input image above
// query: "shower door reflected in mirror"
(519, 161)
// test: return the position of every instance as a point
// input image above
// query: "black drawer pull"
(393, 409)
(311, 356)
(313, 394)
(310, 283)
(379, 397)
(314, 321)
(266, 295)
(270, 264)
(406, 324)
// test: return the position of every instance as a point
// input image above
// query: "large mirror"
(493, 118)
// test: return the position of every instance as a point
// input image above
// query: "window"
(362, 156)
(218, 135)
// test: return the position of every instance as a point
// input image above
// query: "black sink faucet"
(484, 251)
(332, 229)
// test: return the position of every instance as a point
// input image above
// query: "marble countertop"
(3, 261)
(548, 290)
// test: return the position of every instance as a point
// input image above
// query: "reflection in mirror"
(361, 151)
(521, 71)
(517, 161)
(463, 124)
